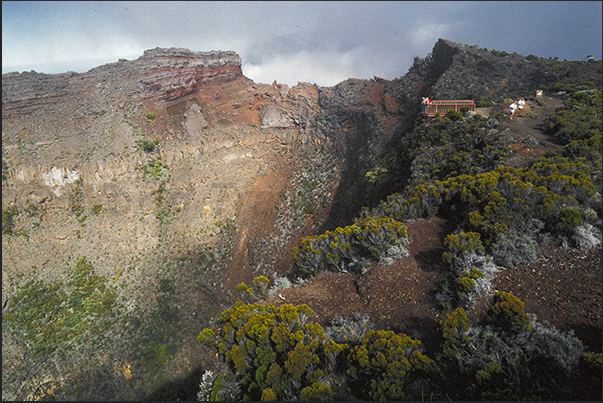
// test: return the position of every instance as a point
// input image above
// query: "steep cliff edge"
(178, 178)
(165, 74)
(172, 167)
(375, 115)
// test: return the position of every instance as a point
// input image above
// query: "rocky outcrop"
(161, 74)
(175, 72)
(252, 168)
(276, 116)
(25, 92)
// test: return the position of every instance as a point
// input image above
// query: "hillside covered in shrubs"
(500, 216)
(191, 256)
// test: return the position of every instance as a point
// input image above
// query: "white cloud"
(428, 34)
(322, 68)
(322, 42)
(75, 53)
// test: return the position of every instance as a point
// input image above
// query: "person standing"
(520, 105)
(512, 109)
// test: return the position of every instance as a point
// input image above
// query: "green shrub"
(586, 237)
(466, 281)
(151, 116)
(514, 248)
(147, 146)
(347, 249)
(488, 203)
(349, 330)
(378, 235)
(273, 353)
(387, 363)
(508, 313)
(579, 119)
(454, 328)
(313, 393)
(332, 251)
(483, 104)
(507, 355)
(530, 140)
(471, 271)
(8, 219)
(454, 115)
(460, 247)
(97, 209)
(258, 290)
(226, 389)
(155, 169)
(4, 170)
(205, 386)
(77, 209)
(52, 316)
(552, 350)
(164, 213)
(569, 218)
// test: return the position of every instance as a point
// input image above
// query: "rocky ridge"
(252, 168)
(226, 149)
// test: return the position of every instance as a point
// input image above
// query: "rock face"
(173, 73)
(239, 172)
(162, 74)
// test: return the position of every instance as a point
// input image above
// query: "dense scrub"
(351, 248)
(276, 353)
(457, 170)
(557, 197)
(508, 355)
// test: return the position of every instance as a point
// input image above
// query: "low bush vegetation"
(388, 365)
(155, 169)
(276, 353)
(51, 316)
(273, 353)
(508, 355)
(351, 248)
(9, 215)
(148, 146)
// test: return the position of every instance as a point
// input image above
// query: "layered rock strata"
(163, 74)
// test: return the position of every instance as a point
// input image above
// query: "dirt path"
(527, 127)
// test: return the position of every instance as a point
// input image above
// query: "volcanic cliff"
(176, 169)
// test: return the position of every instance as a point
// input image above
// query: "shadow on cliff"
(354, 192)
(181, 389)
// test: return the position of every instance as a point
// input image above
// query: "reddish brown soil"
(256, 218)
(562, 287)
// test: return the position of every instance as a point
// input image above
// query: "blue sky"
(317, 42)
